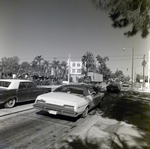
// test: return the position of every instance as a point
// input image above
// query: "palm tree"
(38, 59)
(88, 61)
(55, 66)
(37, 62)
(63, 69)
(144, 64)
(46, 67)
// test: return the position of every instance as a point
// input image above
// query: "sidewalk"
(144, 90)
(103, 130)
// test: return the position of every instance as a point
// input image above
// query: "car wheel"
(10, 103)
(85, 113)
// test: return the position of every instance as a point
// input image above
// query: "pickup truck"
(13, 91)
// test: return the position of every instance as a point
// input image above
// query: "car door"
(33, 91)
(22, 92)
(94, 97)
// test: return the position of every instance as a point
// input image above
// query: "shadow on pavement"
(130, 107)
(44, 113)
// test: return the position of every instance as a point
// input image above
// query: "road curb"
(7, 114)
(84, 127)
(14, 110)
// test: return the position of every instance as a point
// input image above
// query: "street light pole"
(132, 65)
(132, 77)
(69, 69)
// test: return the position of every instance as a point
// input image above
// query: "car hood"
(59, 98)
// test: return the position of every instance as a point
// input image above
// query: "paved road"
(32, 129)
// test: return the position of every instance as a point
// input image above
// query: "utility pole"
(144, 64)
(1, 68)
(69, 69)
(132, 78)
(148, 68)
(132, 65)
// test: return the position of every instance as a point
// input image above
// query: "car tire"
(85, 113)
(10, 103)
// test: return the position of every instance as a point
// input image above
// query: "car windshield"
(72, 90)
(4, 83)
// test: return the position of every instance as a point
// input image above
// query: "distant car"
(69, 100)
(125, 84)
(113, 87)
(15, 90)
(65, 82)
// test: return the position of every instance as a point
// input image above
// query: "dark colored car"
(15, 90)
(114, 87)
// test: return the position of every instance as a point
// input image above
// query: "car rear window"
(61, 89)
(76, 91)
(4, 83)
(67, 89)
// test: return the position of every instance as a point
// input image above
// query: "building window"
(78, 70)
(73, 64)
(73, 70)
(78, 64)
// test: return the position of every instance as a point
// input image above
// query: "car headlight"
(69, 107)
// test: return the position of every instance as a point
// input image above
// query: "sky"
(57, 28)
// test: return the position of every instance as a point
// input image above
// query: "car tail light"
(40, 101)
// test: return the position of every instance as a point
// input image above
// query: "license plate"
(52, 112)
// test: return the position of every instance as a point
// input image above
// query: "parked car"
(15, 90)
(70, 100)
(125, 84)
(114, 87)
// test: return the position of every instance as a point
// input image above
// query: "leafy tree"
(10, 64)
(88, 61)
(25, 65)
(102, 68)
(125, 13)
(118, 73)
(138, 77)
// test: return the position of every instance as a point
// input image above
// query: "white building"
(75, 70)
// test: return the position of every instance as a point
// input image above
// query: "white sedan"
(70, 100)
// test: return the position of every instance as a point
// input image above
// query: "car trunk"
(61, 98)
